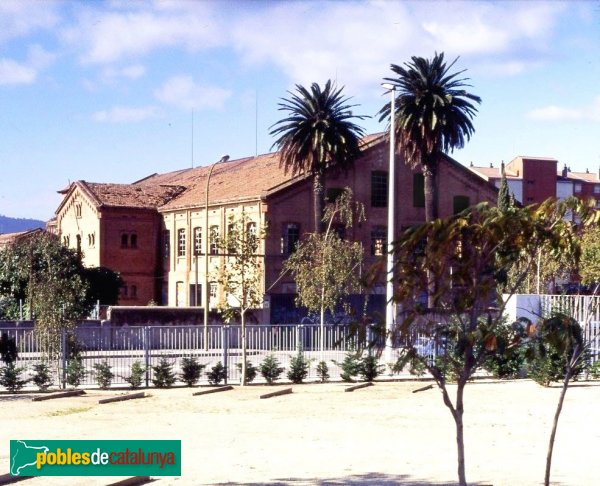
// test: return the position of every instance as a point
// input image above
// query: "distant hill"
(14, 225)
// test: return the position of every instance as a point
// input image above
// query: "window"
(577, 187)
(124, 292)
(133, 291)
(333, 193)
(378, 240)
(166, 244)
(379, 189)
(213, 290)
(461, 203)
(197, 241)
(78, 210)
(231, 237)
(181, 242)
(418, 191)
(78, 237)
(66, 240)
(597, 189)
(133, 240)
(290, 237)
(214, 240)
(124, 240)
(195, 295)
(92, 240)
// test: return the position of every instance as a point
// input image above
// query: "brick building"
(535, 179)
(153, 231)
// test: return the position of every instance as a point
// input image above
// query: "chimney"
(587, 171)
(565, 172)
(491, 165)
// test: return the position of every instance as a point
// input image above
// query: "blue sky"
(104, 91)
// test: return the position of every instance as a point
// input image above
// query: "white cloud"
(120, 114)
(140, 28)
(15, 72)
(184, 93)
(21, 17)
(135, 71)
(590, 113)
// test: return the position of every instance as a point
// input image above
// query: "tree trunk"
(559, 407)
(243, 329)
(318, 202)
(431, 213)
(460, 439)
(322, 336)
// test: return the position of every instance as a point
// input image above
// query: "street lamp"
(223, 159)
(389, 294)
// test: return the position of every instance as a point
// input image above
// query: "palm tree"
(433, 116)
(317, 134)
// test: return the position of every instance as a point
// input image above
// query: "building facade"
(154, 231)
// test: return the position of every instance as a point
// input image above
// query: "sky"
(112, 91)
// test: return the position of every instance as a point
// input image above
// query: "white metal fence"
(123, 346)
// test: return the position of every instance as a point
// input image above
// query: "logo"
(95, 457)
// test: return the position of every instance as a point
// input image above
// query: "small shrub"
(323, 371)
(191, 370)
(370, 368)
(163, 374)
(270, 369)
(135, 379)
(104, 374)
(10, 378)
(251, 371)
(42, 377)
(351, 366)
(594, 370)
(299, 366)
(217, 374)
(507, 365)
(75, 372)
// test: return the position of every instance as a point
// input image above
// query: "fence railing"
(121, 347)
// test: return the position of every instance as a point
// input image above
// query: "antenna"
(255, 122)
(192, 138)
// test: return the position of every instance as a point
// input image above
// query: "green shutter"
(418, 190)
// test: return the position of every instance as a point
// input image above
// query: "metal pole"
(147, 354)
(389, 310)
(225, 343)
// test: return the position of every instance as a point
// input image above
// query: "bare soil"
(380, 435)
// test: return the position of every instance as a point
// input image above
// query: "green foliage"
(351, 366)
(164, 377)
(299, 366)
(590, 255)
(42, 377)
(217, 374)
(370, 368)
(10, 377)
(75, 372)
(270, 369)
(325, 267)
(251, 371)
(104, 374)
(8, 349)
(506, 361)
(103, 285)
(504, 200)
(322, 371)
(191, 370)
(594, 370)
(135, 379)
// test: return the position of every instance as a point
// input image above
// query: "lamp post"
(389, 294)
(223, 159)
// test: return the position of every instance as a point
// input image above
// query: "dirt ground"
(384, 434)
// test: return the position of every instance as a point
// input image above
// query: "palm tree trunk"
(318, 202)
(431, 213)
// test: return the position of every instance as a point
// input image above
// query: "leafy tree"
(104, 285)
(589, 269)
(467, 255)
(241, 277)
(369, 368)
(217, 374)
(351, 366)
(325, 267)
(433, 116)
(52, 281)
(318, 134)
